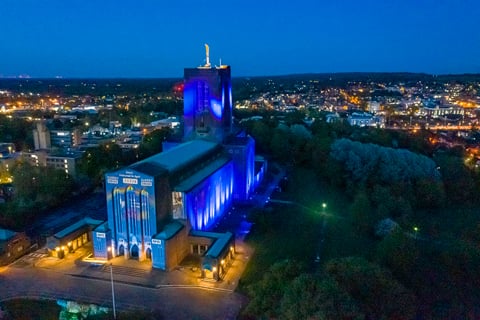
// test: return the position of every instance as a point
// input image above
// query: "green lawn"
(291, 234)
(292, 231)
(343, 240)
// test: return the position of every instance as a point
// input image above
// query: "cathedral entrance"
(121, 250)
(134, 252)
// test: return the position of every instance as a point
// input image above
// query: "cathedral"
(163, 208)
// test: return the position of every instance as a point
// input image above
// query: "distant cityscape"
(448, 107)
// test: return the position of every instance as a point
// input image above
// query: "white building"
(365, 119)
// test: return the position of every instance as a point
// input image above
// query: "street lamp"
(324, 205)
(415, 228)
(113, 292)
(215, 274)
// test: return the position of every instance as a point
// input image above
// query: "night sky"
(157, 38)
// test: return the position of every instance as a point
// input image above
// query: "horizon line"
(27, 77)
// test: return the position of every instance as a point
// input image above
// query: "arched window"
(131, 211)
(119, 208)
(145, 212)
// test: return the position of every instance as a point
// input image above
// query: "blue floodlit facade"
(242, 151)
(207, 103)
(210, 199)
(191, 183)
(131, 209)
(162, 208)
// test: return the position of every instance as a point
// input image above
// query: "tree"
(295, 117)
(388, 164)
(317, 297)
(458, 181)
(362, 212)
(379, 295)
(429, 193)
(18, 131)
(262, 134)
(54, 186)
(280, 145)
(98, 160)
(266, 294)
(399, 253)
(34, 190)
(299, 138)
(25, 181)
(152, 142)
(462, 261)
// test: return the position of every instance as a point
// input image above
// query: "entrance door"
(208, 274)
(134, 252)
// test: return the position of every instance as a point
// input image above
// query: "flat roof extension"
(6, 234)
(182, 155)
(190, 182)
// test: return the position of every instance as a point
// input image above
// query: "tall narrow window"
(131, 210)
(119, 208)
(145, 213)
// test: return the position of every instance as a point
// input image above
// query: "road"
(186, 302)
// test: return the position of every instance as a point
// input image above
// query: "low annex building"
(13, 245)
(72, 237)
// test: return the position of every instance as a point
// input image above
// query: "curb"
(108, 280)
(158, 286)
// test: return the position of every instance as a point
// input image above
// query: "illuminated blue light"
(217, 197)
(244, 168)
(223, 98)
(207, 103)
(230, 95)
(217, 109)
(189, 99)
(131, 213)
(204, 205)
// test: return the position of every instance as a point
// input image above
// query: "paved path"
(179, 294)
(172, 302)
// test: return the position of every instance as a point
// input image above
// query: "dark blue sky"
(157, 38)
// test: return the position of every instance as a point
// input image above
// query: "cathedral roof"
(191, 181)
(179, 157)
